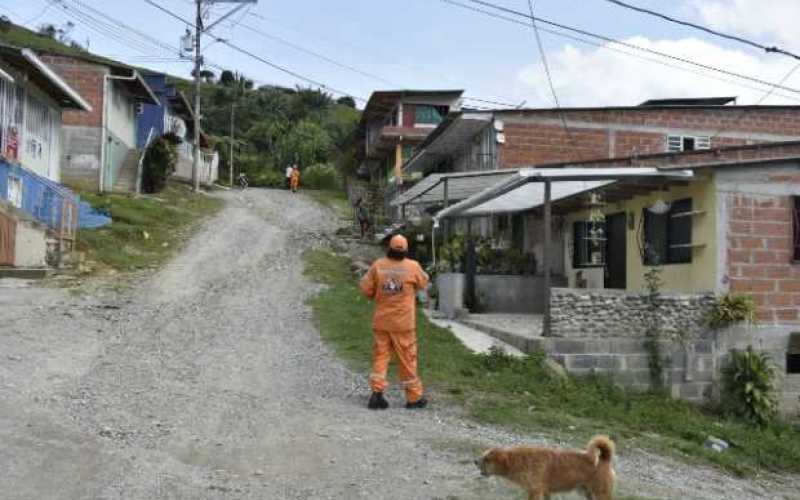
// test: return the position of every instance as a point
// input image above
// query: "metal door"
(616, 256)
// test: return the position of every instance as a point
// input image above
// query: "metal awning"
(458, 186)
(531, 195)
(41, 75)
(448, 139)
(514, 195)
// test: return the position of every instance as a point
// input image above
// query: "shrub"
(266, 178)
(749, 386)
(159, 163)
(321, 176)
(732, 308)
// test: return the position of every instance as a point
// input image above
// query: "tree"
(346, 101)
(206, 75)
(227, 78)
(48, 30)
(306, 144)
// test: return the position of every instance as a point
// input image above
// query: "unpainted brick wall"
(87, 80)
(540, 138)
(760, 236)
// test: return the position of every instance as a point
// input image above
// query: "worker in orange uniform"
(295, 179)
(393, 282)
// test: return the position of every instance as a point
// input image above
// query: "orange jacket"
(295, 179)
(393, 285)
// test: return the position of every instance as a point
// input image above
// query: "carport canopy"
(525, 190)
(438, 188)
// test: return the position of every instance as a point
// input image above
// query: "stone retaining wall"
(614, 313)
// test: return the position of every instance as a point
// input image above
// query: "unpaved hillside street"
(208, 380)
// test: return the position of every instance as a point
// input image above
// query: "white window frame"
(675, 142)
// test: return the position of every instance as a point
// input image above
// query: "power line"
(255, 56)
(546, 66)
(613, 48)
(347, 66)
(624, 44)
(109, 27)
(760, 101)
(499, 101)
(706, 29)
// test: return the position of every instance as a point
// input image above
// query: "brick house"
(733, 226)
(490, 140)
(392, 124)
(99, 147)
(33, 205)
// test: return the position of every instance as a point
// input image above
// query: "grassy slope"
(146, 230)
(335, 200)
(520, 394)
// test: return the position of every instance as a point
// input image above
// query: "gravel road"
(207, 380)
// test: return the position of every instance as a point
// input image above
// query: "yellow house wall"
(699, 275)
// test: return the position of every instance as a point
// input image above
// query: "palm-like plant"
(749, 386)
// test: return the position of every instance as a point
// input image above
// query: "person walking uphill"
(295, 180)
(392, 282)
(289, 171)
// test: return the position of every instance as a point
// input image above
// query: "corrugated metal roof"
(460, 186)
(555, 176)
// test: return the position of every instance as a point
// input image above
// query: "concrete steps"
(25, 273)
(525, 341)
(126, 179)
(475, 340)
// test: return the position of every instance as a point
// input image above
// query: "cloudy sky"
(359, 46)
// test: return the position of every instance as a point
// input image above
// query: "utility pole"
(197, 65)
(230, 163)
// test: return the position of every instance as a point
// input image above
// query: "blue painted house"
(173, 114)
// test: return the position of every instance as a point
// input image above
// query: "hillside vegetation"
(274, 126)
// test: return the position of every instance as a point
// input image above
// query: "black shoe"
(377, 402)
(418, 405)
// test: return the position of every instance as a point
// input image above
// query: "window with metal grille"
(668, 236)
(589, 244)
(793, 354)
(677, 143)
(429, 115)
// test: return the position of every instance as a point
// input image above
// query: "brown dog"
(542, 471)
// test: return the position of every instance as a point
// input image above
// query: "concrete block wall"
(689, 369)
(80, 153)
(692, 368)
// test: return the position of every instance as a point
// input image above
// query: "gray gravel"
(208, 380)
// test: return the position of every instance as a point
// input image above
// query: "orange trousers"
(404, 346)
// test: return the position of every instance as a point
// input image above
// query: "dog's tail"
(601, 448)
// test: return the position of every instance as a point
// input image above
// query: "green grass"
(336, 200)
(519, 394)
(146, 230)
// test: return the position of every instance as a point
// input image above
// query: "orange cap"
(399, 243)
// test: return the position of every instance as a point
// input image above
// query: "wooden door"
(8, 230)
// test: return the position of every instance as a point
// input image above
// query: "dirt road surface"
(208, 380)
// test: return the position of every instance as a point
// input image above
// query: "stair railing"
(140, 165)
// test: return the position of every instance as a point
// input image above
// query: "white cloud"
(771, 21)
(596, 76)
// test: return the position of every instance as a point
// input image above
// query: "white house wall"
(122, 116)
(36, 120)
(40, 145)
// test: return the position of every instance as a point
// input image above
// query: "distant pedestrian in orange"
(295, 180)
(392, 282)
